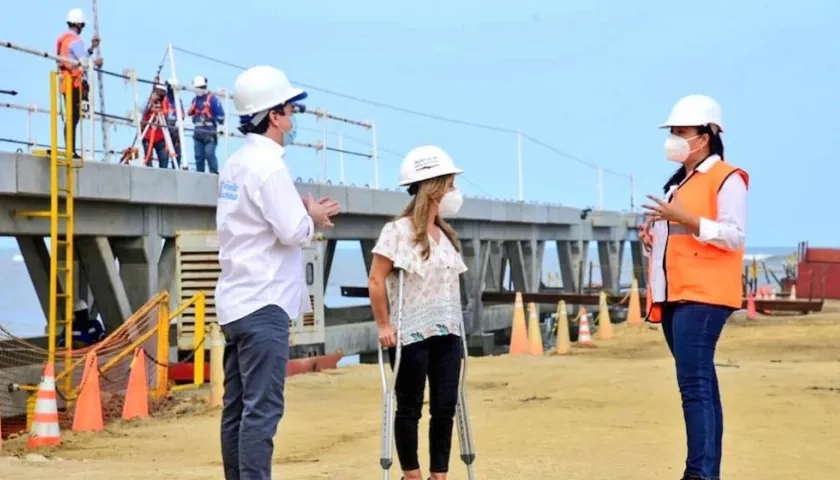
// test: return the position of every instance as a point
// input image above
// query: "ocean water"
(21, 314)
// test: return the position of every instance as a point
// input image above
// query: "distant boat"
(17, 258)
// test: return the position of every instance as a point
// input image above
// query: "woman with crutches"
(417, 257)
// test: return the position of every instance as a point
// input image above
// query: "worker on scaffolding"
(71, 46)
(156, 129)
(87, 331)
(172, 118)
(262, 226)
(207, 116)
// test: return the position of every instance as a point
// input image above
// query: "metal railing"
(88, 140)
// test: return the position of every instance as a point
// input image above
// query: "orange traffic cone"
(751, 313)
(584, 336)
(605, 328)
(45, 431)
(137, 395)
(518, 333)
(634, 309)
(88, 415)
(535, 342)
(563, 343)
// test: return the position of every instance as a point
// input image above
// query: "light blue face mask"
(289, 137)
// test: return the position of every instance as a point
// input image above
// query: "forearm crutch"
(389, 398)
(462, 412)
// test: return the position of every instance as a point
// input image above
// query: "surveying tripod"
(157, 120)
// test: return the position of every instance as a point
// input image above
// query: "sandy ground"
(609, 412)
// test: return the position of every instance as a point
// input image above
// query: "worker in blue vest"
(87, 331)
(207, 115)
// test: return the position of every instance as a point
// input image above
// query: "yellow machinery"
(61, 216)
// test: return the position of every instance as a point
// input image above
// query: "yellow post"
(162, 374)
(52, 321)
(198, 340)
(69, 287)
(217, 371)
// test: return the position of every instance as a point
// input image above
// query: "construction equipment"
(157, 120)
(389, 399)
(197, 270)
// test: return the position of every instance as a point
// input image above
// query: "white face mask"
(677, 148)
(450, 203)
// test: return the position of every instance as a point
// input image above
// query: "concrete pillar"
(367, 253)
(572, 256)
(494, 276)
(533, 252)
(640, 263)
(138, 258)
(609, 254)
(476, 254)
(516, 260)
(329, 255)
(36, 257)
(99, 264)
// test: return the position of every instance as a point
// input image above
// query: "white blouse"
(431, 288)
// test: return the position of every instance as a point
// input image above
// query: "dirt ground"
(607, 412)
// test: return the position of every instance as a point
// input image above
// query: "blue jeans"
(692, 331)
(160, 151)
(205, 151)
(255, 359)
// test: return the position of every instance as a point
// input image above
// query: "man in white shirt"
(262, 224)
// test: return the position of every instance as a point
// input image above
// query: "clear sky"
(590, 78)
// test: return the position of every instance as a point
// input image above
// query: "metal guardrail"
(129, 75)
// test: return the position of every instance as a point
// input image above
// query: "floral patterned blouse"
(431, 288)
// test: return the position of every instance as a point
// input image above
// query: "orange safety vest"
(205, 109)
(696, 271)
(62, 48)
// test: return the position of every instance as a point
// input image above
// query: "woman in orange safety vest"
(695, 240)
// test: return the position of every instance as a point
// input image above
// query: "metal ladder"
(62, 220)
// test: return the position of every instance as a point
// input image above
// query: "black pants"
(439, 359)
(75, 107)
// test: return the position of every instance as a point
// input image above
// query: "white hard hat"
(260, 88)
(199, 82)
(694, 111)
(81, 305)
(423, 163)
(76, 16)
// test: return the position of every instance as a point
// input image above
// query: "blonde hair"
(418, 211)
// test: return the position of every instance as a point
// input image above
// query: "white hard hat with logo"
(81, 305)
(260, 88)
(199, 82)
(76, 16)
(423, 163)
(694, 111)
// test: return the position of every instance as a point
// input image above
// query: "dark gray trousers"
(255, 359)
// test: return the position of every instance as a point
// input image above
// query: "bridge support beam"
(572, 256)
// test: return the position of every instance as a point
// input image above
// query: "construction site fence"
(148, 329)
(134, 117)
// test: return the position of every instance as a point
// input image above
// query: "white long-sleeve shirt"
(262, 226)
(727, 231)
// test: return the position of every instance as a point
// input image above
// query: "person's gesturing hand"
(322, 210)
